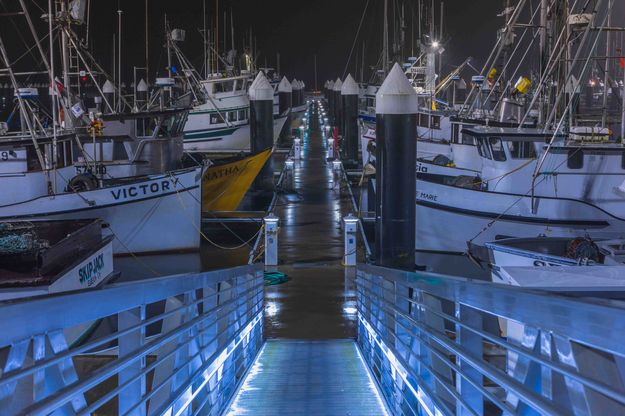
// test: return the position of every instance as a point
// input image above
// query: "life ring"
(82, 183)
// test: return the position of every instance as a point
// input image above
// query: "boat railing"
(169, 345)
(443, 345)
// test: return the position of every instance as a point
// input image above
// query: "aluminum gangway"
(427, 345)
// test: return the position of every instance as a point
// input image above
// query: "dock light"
(350, 240)
(327, 128)
(301, 128)
(297, 148)
(289, 163)
(271, 239)
(435, 44)
(337, 165)
(325, 119)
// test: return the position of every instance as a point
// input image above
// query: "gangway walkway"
(201, 343)
(293, 377)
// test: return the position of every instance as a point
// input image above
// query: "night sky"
(297, 30)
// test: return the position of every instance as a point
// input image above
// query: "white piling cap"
(396, 95)
(350, 86)
(326, 84)
(261, 89)
(295, 84)
(338, 85)
(108, 87)
(302, 84)
(142, 86)
(285, 85)
(331, 85)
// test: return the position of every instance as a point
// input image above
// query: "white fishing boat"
(578, 191)
(124, 168)
(222, 124)
(138, 209)
(44, 257)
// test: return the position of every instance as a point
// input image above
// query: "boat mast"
(216, 35)
(385, 58)
(232, 33)
(119, 54)
(204, 38)
(65, 63)
(147, 44)
(606, 69)
(55, 95)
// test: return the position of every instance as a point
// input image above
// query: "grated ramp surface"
(308, 378)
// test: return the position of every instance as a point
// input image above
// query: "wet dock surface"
(319, 300)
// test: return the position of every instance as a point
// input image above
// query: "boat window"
(242, 115)
(522, 150)
(575, 159)
(435, 122)
(216, 118)
(455, 133)
(60, 155)
(227, 86)
(483, 149)
(370, 102)
(119, 151)
(32, 160)
(497, 149)
(232, 116)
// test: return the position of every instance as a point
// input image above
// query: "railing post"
(473, 344)
(132, 394)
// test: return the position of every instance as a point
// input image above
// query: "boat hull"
(158, 214)
(226, 140)
(225, 185)
(449, 216)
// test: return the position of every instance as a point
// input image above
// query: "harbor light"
(435, 44)
(289, 163)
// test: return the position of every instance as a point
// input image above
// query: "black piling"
(396, 132)
(285, 104)
(349, 101)
(338, 84)
(261, 125)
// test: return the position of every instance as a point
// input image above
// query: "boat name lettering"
(222, 173)
(421, 168)
(429, 197)
(141, 190)
(91, 272)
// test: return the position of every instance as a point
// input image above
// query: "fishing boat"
(122, 166)
(44, 257)
(221, 124)
(225, 182)
(576, 192)
(219, 120)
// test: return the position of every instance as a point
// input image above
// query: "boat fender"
(82, 182)
(371, 147)
(442, 160)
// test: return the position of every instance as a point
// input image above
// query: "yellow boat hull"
(225, 185)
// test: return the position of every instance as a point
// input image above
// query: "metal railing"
(173, 345)
(441, 345)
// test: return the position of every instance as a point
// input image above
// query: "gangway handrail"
(446, 345)
(180, 342)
